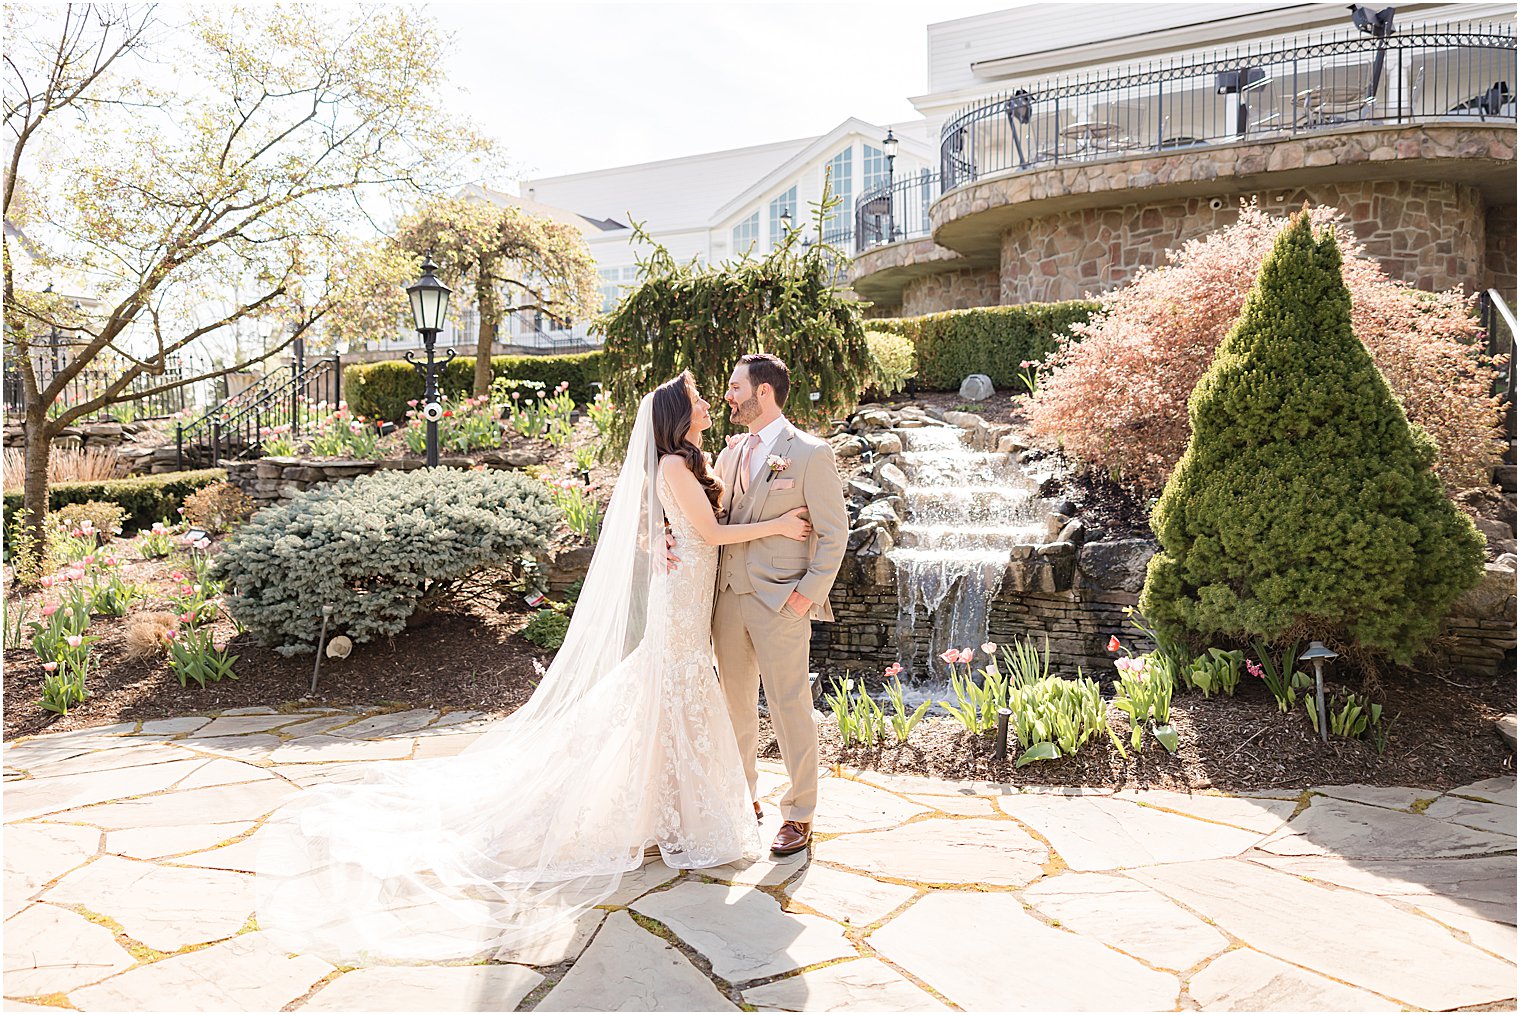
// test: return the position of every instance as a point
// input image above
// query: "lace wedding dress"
(626, 742)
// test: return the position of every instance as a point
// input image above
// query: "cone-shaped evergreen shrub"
(372, 548)
(1305, 503)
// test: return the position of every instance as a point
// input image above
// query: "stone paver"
(1245, 980)
(36, 853)
(862, 985)
(1371, 898)
(848, 898)
(743, 932)
(1474, 814)
(436, 988)
(1370, 943)
(1336, 827)
(164, 907)
(1100, 833)
(629, 969)
(1258, 815)
(1399, 798)
(985, 953)
(1127, 916)
(50, 950)
(246, 973)
(856, 807)
(943, 851)
(1500, 790)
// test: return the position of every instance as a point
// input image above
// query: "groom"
(770, 590)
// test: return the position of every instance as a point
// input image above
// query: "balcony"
(1084, 178)
(1250, 94)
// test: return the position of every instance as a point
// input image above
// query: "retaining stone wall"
(952, 290)
(1499, 249)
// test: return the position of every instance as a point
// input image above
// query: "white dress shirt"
(769, 435)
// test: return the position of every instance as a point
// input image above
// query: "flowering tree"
(158, 202)
(499, 258)
(1116, 395)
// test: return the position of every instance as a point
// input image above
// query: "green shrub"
(892, 362)
(381, 390)
(104, 516)
(548, 626)
(218, 507)
(143, 499)
(374, 548)
(985, 340)
(1305, 504)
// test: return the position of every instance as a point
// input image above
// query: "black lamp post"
(889, 146)
(786, 224)
(430, 304)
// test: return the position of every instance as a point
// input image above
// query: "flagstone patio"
(129, 865)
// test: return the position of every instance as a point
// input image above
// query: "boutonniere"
(777, 464)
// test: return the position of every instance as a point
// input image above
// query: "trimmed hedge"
(381, 390)
(985, 340)
(144, 499)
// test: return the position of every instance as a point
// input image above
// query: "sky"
(571, 87)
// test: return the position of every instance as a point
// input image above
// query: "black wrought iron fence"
(1238, 94)
(896, 212)
(293, 395)
(141, 398)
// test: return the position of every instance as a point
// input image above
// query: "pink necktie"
(750, 444)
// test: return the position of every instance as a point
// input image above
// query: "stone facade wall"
(953, 290)
(1430, 234)
(1499, 243)
(270, 480)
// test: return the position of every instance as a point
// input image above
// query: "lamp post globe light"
(889, 147)
(786, 224)
(430, 305)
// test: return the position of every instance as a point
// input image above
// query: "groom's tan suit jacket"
(773, 567)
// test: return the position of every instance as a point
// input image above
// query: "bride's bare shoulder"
(673, 465)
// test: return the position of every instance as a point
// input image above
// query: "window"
(873, 168)
(786, 202)
(841, 172)
(614, 281)
(746, 234)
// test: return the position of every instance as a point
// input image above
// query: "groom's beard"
(746, 411)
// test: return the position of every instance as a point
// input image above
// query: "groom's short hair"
(763, 368)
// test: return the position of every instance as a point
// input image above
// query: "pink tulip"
(74, 640)
(50, 667)
(967, 655)
(989, 647)
(50, 609)
(88, 560)
(178, 576)
(186, 618)
(412, 402)
(47, 581)
(893, 670)
(951, 656)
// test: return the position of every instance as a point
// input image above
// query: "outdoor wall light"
(1317, 654)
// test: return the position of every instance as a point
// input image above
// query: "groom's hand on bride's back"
(671, 560)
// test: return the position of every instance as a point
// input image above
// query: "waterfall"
(966, 510)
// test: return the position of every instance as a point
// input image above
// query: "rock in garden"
(340, 647)
(892, 479)
(847, 446)
(880, 513)
(860, 537)
(1072, 532)
(1008, 444)
(881, 544)
(1117, 565)
(977, 388)
(886, 443)
(863, 488)
(1492, 597)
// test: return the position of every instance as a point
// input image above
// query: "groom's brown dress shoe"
(794, 837)
(759, 814)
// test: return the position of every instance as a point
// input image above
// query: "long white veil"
(480, 854)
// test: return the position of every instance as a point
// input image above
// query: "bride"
(625, 744)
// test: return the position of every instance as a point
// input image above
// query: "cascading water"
(966, 510)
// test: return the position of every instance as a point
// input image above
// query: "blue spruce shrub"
(374, 547)
(1305, 504)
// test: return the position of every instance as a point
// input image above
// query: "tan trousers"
(741, 623)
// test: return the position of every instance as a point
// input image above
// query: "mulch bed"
(1442, 735)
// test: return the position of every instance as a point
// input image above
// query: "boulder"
(847, 446)
(892, 479)
(977, 388)
(509, 459)
(880, 514)
(1116, 565)
(1072, 532)
(859, 537)
(880, 545)
(1008, 444)
(1492, 597)
(886, 443)
(862, 488)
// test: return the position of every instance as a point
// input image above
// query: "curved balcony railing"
(1243, 93)
(1239, 94)
(896, 212)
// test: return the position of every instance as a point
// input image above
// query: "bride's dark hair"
(675, 402)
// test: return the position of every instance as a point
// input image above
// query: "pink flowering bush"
(1115, 395)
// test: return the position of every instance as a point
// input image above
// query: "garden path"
(129, 853)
